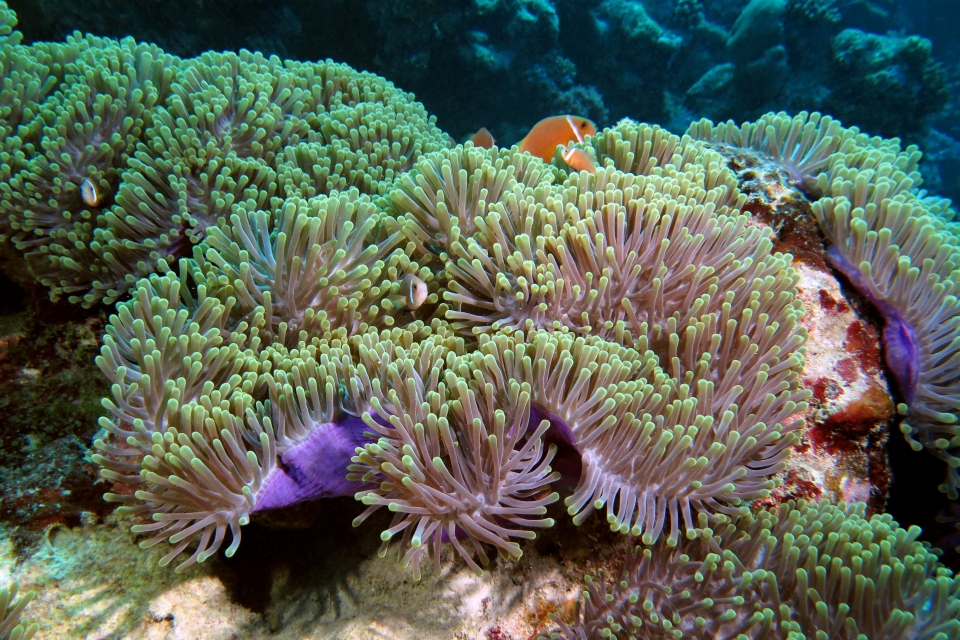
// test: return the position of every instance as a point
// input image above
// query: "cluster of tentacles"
(118, 157)
(319, 297)
(632, 329)
(12, 624)
(638, 322)
(796, 571)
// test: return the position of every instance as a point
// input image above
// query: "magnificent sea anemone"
(318, 294)
(800, 570)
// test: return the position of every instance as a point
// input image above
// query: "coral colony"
(319, 294)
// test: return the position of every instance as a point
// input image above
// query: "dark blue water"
(888, 67)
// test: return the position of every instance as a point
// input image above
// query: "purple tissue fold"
(315, 468)
(900, 348)
(568, 461)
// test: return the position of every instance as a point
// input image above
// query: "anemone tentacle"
(455, 460)
(798, 570)
(12, 624)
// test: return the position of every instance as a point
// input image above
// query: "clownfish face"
(89, 192)
(583, 126)
(415, 291)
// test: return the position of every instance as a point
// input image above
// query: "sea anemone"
(519, 253)
(166, 148)
(165, 349)
(216, 455)
(634, 316)
(87, 130)
(445, 193)
(218, 464)
(616, 313)
(802, 144)
(308, 266)
(8, 26)
(466, 466)
(28, 79)
(897, 253)
(199, 480)
(643, 149)
(359, 309)
(653, 448)
(819, 570)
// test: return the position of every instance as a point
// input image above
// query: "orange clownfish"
(578, 160)
(483, 138)
(546, 135)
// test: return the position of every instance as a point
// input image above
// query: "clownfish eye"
(583, 124)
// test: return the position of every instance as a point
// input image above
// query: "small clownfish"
(546, 135)
(414, 292)
(483, 138)
(578, 160)
(89, 192)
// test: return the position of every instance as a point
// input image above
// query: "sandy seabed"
(94, 582)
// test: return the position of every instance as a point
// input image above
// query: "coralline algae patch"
(843, 366)
(842, 454)
(851, 411)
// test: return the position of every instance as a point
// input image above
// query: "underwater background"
(889, 67)
(276, 290)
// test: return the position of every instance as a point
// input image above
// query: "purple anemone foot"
(568, 459)
(902, 354)
(901, 351)
(315, 468)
